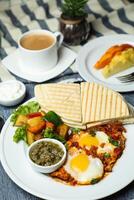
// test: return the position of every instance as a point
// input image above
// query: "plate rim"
(80, 62)
(15, 179)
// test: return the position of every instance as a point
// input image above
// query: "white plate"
(13, 159)
(13, 61)
(92, 51)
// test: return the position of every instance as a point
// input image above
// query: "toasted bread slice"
(100, 103)
(123, 120)
(64, 99)
(81, 105)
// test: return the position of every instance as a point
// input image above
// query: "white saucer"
(66, 58)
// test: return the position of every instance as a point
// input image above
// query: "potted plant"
(73, 22)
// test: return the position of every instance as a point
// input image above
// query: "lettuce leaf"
(30, 107)
(20, 134)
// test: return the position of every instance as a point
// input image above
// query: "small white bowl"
(46, 169)
(16, 100)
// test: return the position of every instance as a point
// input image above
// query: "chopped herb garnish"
(92, 133)
(107, 155)
(75, 130)
(114, 142)
(95, 180)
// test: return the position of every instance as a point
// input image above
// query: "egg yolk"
(88, 140)
(80, 163)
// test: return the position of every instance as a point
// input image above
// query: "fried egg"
(83, 168)
(87, 140)
(104, 139)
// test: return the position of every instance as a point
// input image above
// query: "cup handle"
(59, 37)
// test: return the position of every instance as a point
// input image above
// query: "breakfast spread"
(116, 59)
(70, 136)
(93, 150)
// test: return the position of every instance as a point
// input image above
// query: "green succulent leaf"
(74, 8)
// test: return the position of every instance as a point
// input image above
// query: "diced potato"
(63, 130)
(36, 124)
(38, 136)
(21, 120)
(34, 121)
(30, 137)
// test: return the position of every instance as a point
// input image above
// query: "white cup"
(38, 61)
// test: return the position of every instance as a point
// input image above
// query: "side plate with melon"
(116, 59)
(93, 51)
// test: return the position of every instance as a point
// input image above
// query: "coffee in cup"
(37, 41)
(39, 51)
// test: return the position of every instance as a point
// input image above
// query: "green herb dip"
(46, 153)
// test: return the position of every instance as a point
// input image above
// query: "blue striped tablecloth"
(106, 17)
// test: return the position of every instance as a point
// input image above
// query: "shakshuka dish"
(91, 153)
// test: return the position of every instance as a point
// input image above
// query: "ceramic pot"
(75, 31)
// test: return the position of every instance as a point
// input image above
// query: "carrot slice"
(32, 115)
(49, 124)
